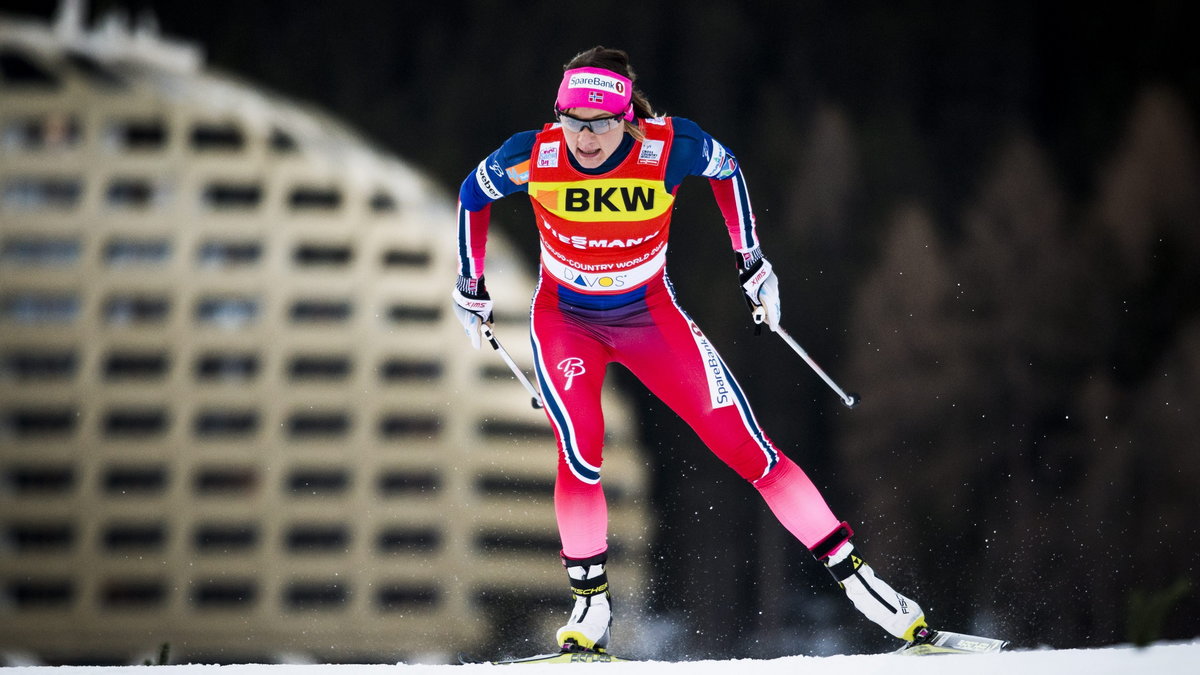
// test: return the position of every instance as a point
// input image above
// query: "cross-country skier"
(602, 181)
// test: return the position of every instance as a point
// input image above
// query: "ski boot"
(588, 628)
(879, 602)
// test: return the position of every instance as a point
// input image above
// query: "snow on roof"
(174, 71)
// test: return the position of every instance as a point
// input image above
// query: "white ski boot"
(591, 618)
(879, 602)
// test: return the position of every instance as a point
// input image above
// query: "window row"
(58, 130)
(153, 480)
(227, 425)
(211, 425)
(213, 594)
(42, 365)
(218, 539)
(33, 193)
(223, 312)
(17, 251)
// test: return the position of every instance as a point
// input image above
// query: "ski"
(564, 656)
(928, 643)
(947, 642)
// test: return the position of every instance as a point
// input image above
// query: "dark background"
(984, 217)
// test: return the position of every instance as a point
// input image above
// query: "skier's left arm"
(695, 153)
(498, 175)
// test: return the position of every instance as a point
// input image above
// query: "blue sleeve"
(500, 174)
(695, 153)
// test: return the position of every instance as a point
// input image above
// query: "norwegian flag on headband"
(595, 97)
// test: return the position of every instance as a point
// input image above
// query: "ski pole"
(849, 400)
(490, 336)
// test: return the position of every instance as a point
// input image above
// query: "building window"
(227, 313)
(49, 132)
(399, 425)
(413, 314)
(38, 366)
(282, 142)
(400, 483)
(136, 366)
(221, 196)
(136, 252)
(42, 193)
(228, 254)
(136, 194)
(212, 424)
(41, 537)
(227, 367)
(39, 307)
(40, 252)
(314, 367)
(326, 255)
(504, 486)
(224, 594)
(313, 198)
(38, 594)
(313, 538)
(382, 202)
(138, 481)
(225, 481)
(316, 595)
(401, 258)
(408, 540)
(403, 597)
(321, 311)
(36, 422)
(135, 423)
(40, 480)
(225, 538)
(314, 425)
(133, 594)
(125, 537)
(511, 430)
(508, 542)
(208, 137)
(129, 310)
(399, 370)
(318, 482)
(130, 136)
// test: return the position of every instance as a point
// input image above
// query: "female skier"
(602, 181)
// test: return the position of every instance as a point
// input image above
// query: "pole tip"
(852, 400)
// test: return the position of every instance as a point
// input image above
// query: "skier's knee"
(752, 463)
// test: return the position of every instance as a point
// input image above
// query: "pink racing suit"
(603, 297)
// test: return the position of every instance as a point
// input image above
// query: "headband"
(596, 88)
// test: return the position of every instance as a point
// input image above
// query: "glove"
(761, 287)
(472, 305)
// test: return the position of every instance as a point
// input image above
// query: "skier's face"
(590, 148)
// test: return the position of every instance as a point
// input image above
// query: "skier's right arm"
(501, 173)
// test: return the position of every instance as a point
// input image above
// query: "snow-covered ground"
(1163, 659)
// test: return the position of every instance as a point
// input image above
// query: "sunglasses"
(599, 126)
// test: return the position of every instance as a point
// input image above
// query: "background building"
(236, 413)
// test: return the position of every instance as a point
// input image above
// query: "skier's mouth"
(590, 154)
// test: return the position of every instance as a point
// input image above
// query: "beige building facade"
(236, 412)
